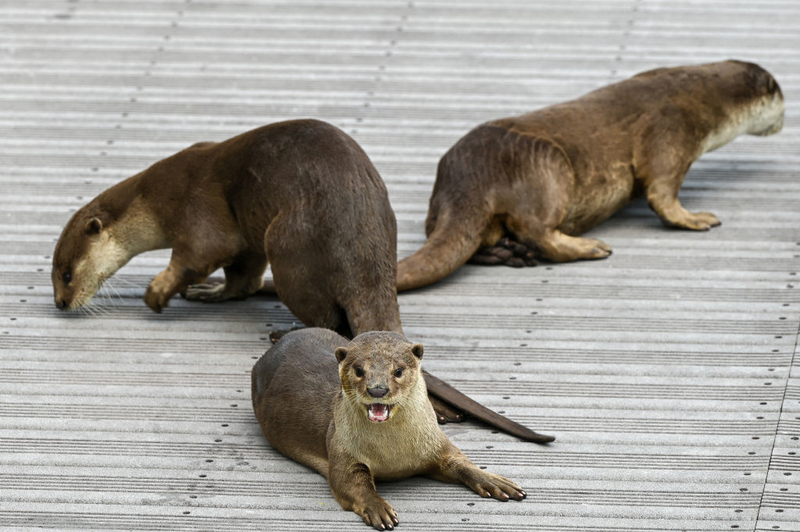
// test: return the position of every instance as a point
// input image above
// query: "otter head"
(86, 255)
(379, 372)
(761, 98)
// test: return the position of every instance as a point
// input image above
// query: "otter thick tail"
(451, 242)
(440, 389)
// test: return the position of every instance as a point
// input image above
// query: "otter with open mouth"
(301, 195)
(367, 419)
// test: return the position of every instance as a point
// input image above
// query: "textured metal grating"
(668, 372)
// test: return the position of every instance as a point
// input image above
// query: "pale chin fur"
(767, 117)
(108, 257)
(764, 117)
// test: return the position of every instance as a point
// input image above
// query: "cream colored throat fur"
(391, 449)
(762, 117)
(135, 232)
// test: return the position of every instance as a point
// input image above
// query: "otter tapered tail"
(450, 245)
(451, 396)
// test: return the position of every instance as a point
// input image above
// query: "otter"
(364, 420)
(534, 182)
(301, 195)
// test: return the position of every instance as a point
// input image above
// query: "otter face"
(768, 109)
(378, 371)
(86, 255)
(753, 98)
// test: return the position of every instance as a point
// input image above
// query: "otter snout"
(61, 303)
(377, 392)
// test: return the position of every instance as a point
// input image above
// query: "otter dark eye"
(398, 372)
(359, 372)
(66, 277)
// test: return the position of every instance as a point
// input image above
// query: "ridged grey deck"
(668, 372)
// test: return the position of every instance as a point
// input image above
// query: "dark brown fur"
(547, 176)
(300, 194)
(317, 416)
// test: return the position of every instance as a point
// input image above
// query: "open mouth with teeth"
(378, 412)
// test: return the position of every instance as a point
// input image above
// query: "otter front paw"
(156, 299)
(377, 513)
(697, 221)
(488, 484)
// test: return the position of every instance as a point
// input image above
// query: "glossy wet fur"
(314, 412)
(545, 177)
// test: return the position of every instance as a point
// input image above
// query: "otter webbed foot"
(695, 221)
(377, 513)
(488, 484)
(559, 247)
(672, 213)
(507, 252)
(211, 293)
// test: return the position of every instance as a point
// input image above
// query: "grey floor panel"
(668, 372)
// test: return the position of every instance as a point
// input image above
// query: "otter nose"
(377, 392)
(61, 303)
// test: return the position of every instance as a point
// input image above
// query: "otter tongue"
(378, 412)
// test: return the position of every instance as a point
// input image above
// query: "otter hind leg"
(555, 246)
(559, 247)
(243, 278)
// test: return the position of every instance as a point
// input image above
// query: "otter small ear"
(340, 353)
(94, 226)
(417, 350)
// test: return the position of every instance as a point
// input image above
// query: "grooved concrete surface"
(668, 372)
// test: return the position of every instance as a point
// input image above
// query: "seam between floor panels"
(777, 428)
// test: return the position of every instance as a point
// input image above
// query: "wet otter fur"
(539, 180)
(367, 420)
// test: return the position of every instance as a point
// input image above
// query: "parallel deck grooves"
(667, 372)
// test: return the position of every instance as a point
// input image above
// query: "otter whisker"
(97, 308)
(113, 290)
(90, 307)
(85, 309)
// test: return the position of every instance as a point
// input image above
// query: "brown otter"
(301, 194)
(547, 176)
(368, 421)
